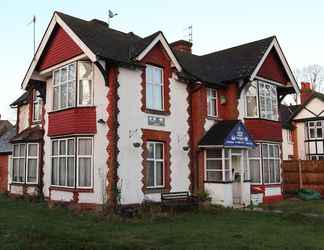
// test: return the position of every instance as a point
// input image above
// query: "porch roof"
(34, 134)
(228, 133)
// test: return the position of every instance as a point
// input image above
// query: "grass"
(25, 225)
(298, 206)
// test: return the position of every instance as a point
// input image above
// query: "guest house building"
(112, 117)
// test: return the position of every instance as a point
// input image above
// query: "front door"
(237, 167)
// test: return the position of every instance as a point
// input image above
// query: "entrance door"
(237, 173)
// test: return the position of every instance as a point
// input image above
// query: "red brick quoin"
(161, 136)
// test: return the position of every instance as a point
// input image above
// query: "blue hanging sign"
(239, 137)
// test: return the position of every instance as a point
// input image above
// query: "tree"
(313, 74)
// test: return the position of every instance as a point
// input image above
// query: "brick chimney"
(305, 92)
(182, 45)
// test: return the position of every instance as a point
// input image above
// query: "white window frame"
(212, 100)
(257, 99)
(37, 101)
(268, 158)
(222, 159)
(154, 84)
(76, 157)
(314, 127)
(260, 164)
(84, 156)
(78, 84)
(263, 85)
(154, 160)
(26, 157)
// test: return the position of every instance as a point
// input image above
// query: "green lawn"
(298, 206)
(25, 225)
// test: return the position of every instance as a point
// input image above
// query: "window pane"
(55, 171)
(22, 150)
(157, 76)
(64, 95)
(252, 108)
(149, 96)
(15, 150)
(159, 151)
(70, 147)
(56, 77)
(70, 172)
(159, 173)
(32, 150)
(85, 147)
(32, 170)
(255, 173)
(319, 132)
(150, 173)
(84, 172)
(56, 98)
(21, 174)
(71, 94)
(214, 153)
(271, 170)
(214, 176)
(157, 97)
(62, 171)
(150, 150)
(254, 152)
(265, 151)
(265, 171)
(15, 170)
(71, 73)
(63, 75)
(85, 70)
(85, 92)
(214, 164)
(62, 147)
(55, 148)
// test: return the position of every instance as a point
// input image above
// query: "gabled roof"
(5, 145)
(225, 65)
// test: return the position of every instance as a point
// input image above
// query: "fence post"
(300, 174)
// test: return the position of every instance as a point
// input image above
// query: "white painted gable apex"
(56, 19)
(160, 38)
(275, 44)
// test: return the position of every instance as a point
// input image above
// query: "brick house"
(109, 116)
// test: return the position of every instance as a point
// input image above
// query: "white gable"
(313, 109)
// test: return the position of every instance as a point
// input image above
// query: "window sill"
(219, 182)
(156, 112)
(154, 190)
(71, 189)
(213, 118)
(258, 118)
(24, 184)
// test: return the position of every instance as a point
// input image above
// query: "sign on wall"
(156, 121)
(239, 137)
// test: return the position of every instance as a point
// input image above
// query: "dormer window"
(37, 106)
(212, 103)
(261, 101)
(154, 88)
(70, 81)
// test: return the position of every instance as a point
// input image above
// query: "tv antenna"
(110, 16)
(188, 36)
(33, 21)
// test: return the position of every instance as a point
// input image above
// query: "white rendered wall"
(300, 140)
(23, 117)
(287, 145)
(98, 195)
(220, 193)
(131, 120)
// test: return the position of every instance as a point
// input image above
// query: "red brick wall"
(273, 69)
(264, 129)
(59, 48)
(3, 173)
(80, 120)
(158, 57)
(228, 110)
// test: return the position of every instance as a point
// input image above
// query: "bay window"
(154, 87)
(25, 163)
(261, 100)
(155, 164)
(70, 80)
(65, 173)
(212, 102)
(37, 106)
(315, 130)
(254, 156)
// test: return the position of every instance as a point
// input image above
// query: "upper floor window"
(261, 101)
(212, 102)
(154, 87)
(25, 163)
(315, 130)
(65, 85)
(37, 106)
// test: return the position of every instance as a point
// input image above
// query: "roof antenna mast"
(110, 16)
(190, 33)
(33, 21)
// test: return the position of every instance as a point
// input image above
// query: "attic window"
(154, 88)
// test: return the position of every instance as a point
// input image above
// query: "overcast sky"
(216, 25)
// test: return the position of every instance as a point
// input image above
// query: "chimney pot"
(182, 45)
(305, 92)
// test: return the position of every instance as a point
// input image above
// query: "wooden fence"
(298, 174)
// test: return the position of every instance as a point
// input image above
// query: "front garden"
(31, 225)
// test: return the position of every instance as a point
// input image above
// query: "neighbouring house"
(111, 117)
(5, 153)
(306, 122)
